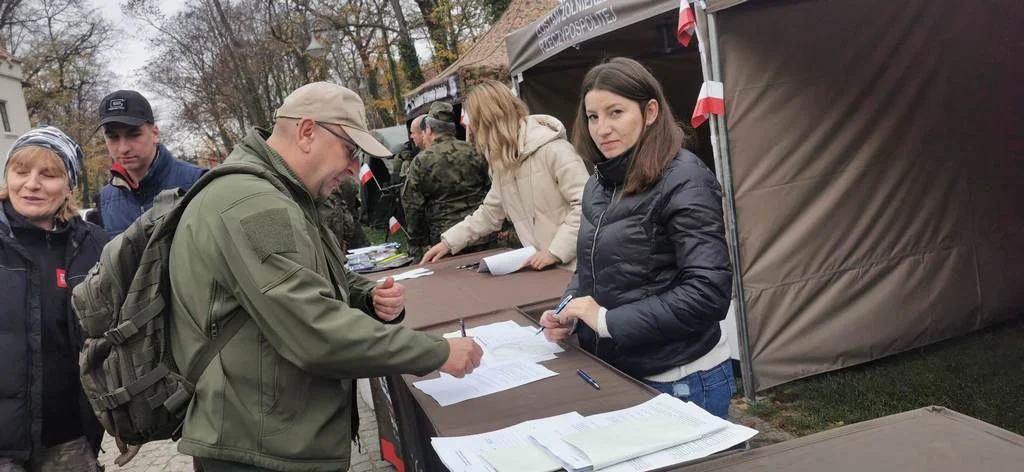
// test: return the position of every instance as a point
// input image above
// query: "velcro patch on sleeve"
(269, 232)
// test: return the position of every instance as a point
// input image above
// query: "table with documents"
(526, 388)
(449, 293)
(552, 408)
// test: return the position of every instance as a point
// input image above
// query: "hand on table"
(541, 260)
(436, 253)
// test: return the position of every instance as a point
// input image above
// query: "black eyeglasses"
(351, 145)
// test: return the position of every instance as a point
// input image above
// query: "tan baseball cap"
(331, 103)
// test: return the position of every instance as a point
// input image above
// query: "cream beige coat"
(542, 199)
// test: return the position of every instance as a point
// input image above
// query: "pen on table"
(558, 309)
(586, 377)
(462, 326)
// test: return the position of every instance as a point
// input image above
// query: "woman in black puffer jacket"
(653, 278)
(45, 250)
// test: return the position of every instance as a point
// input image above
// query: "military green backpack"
(126, 367)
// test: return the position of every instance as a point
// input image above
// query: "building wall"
(13, 99)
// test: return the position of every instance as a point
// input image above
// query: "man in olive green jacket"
(280, 395)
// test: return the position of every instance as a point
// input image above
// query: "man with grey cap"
(445, 183)
(281, 394)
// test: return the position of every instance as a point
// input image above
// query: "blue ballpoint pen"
(558, 309)
(590, 380)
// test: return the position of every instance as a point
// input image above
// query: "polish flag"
(687, 23)
(365, 174)
(711, 101)
(393, 225)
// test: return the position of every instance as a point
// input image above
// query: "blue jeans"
(710, 389)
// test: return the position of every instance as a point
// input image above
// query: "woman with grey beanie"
(45, 250)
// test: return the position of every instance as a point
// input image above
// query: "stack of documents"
(511, 354)
(660, 432)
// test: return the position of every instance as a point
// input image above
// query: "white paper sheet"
(465, 453)
(715, 435)
(615, 443)
(409, 274)
(448, 390)
(527, 457)
(506, 262)
(507, 341)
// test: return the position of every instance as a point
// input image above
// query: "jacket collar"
(254, 149)
(613, 171)
(119, 177)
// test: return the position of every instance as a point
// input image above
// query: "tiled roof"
(489, 49)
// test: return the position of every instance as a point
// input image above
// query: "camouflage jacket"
(444, 184)
(340, 213)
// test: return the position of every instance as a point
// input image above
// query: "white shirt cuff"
(602, 323)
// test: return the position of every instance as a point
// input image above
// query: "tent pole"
(720, 138)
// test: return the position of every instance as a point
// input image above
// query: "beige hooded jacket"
(542, 199)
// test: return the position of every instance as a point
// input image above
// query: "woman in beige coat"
(537, 179)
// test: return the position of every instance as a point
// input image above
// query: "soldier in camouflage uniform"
(412, 147)
(340, 213)
(446, 182)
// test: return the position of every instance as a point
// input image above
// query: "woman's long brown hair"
(659, 142)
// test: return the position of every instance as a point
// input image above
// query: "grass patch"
(979, 375)
(377, 236)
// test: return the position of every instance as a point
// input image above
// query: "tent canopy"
(550, 56)
(574, 22)
(876, 159)
(485, 59)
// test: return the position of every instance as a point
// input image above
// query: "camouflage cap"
(442, 111)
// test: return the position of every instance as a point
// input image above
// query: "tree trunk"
(254, 108)
(437, 31)
(396, 93)
(406, 50)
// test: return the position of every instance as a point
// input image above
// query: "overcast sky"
(128, 57)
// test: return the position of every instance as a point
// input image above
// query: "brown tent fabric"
(877, 163)
(932, 439)
(486, 59)
(644, 30)
(877, 155)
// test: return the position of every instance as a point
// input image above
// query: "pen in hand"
(462, 326)
(587, 378)
(558, 309)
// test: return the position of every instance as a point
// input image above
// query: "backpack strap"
(230, 324)
(219, 337)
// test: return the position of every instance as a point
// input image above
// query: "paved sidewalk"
(163, 456)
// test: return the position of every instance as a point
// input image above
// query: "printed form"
(505, 449)
(660, 432)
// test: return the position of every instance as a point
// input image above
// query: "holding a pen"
(559, 324)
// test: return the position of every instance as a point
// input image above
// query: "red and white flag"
(365, 174)
(394, 225)
(687, 23)
(711, 101)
